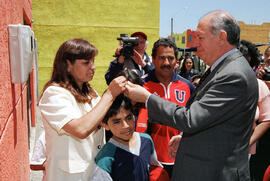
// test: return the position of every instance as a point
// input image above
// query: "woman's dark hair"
(120, 101)
(249, 50)
(70, 51)
(183, 69)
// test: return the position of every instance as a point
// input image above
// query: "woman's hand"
(117, 86)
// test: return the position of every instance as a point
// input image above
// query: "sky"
(186, 13)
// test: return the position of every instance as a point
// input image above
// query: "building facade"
(180, 39)
(17, 100)
(191, 38)
(257, 34)
(99, 22)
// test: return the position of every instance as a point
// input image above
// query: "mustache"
(166, 67)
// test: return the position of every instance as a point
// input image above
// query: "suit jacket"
(217, 124)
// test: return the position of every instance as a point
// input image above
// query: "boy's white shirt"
(98, 173)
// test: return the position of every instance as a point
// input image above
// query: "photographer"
(139, 61)
(264, 73)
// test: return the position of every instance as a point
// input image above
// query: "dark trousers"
(261, 160)
(258, 166)
(169, 169)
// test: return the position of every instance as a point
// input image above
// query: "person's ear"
(223, 36)
(104, 125)
(69, 65)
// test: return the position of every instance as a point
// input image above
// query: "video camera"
(266, 76)
(128, 45)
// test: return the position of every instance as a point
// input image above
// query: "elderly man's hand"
(136, 92)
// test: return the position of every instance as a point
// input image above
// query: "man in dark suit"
(218, 118)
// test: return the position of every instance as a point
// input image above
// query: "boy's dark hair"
(120, 101)
(123, 101)
(131, 76)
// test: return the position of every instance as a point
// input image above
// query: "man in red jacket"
(165, 83)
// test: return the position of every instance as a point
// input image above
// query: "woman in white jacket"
(72, 112)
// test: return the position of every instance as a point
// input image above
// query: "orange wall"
(14, 152)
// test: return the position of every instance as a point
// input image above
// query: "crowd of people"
(159, 118)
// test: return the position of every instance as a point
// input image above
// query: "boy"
(128, 154)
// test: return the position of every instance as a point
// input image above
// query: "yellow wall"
(98, 21)
(255, 33)
(178, 39)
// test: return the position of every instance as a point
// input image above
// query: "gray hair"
(222, 20)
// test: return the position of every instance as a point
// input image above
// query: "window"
(190, 38)
(183, 39)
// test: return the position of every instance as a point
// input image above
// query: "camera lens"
(266, 76)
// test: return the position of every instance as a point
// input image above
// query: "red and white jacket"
(178, 91)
